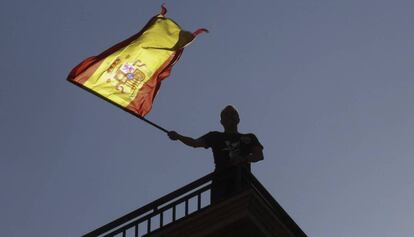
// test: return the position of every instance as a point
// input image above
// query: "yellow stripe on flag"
(121, 75)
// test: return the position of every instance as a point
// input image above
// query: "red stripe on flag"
(199, 31)
(163, 10)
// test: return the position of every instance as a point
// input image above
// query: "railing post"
(186, 207)
(161, 219)
(173, 213)
(149, 225)
(199, 201)
(136, 229)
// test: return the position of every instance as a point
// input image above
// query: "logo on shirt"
(233, 148)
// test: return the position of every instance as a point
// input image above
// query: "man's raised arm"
(187, 140)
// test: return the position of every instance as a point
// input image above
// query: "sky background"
(327, 87)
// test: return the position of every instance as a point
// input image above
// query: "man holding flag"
(233, 152)
(129, 75)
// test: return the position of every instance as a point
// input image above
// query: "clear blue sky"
(327, 86)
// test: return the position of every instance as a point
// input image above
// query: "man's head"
(229, 117)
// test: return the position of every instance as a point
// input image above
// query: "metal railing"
(131, 222)
(140, 222)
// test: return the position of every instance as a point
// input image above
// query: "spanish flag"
(129, 73)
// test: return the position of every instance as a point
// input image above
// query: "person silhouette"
(233, 152)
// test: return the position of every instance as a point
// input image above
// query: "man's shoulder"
(211, 138)
(247, 134)
(250, 139)
(214, 133)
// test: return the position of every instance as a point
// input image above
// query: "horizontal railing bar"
(189, 196)
(183, 195)
(121, 229)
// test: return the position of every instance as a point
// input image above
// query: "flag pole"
(152, 123)
(138, 116)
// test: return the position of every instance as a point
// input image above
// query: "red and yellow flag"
(129, 73)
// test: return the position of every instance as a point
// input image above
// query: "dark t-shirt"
(226, 146)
